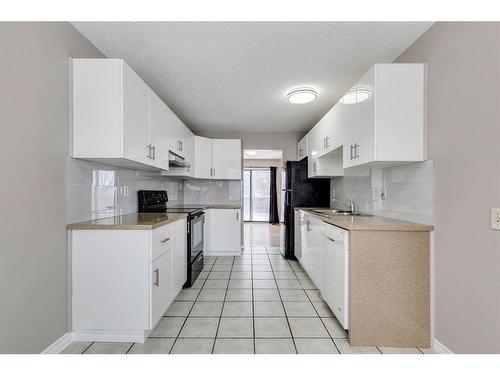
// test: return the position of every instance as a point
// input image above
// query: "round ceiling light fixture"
(301, 95)
(356, 96)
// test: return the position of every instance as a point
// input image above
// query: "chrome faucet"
(350, 204)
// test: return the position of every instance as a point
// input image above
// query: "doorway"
(257, 181)
(256, 186)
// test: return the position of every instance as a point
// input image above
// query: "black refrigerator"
(301, 191)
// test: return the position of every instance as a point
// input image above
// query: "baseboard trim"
(109, 336)
(440, 348)
(59, 345)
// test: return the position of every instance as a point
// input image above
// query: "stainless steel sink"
(328, 212)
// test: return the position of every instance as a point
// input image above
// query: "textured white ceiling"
(234, 75)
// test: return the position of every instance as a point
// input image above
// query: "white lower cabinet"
(324, 256)
(222, 232)
(124, 280)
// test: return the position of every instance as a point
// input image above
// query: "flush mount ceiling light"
(301, 95)
(356, 96)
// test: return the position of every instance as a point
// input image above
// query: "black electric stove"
(156, 201)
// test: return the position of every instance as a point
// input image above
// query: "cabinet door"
(135, 116)
(365, 120)
(161, 286)
(302, 148)
(312, 151)
(226, 159)
(347, 115)
(203, 157)
(173, 132)
(179, 257)
(225, 231)
(158, 131)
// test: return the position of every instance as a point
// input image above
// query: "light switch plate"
(495, 218)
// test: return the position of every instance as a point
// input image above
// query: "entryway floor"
(258, 303)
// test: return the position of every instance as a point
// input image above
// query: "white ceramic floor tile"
(168, 327)
(307, 328)
(262, 268)
(300, 309)
(212, 295)
(187, 295)
(235, 309)
(302, 275)
(241, 275)
(271, 328)
(315, 346)
(242, 268)
(284, 275)
(235, 327)
(274, 346)
(288, 284)
(323, 309)
(219, 275)
(179, 309)
(314, 295)
(263, 275)
(193, 346)
(153, 346)
(233, 346)
(109, 348)
(203, 275)
(293, 295)
(224, 260)
(264, 284)
(266, 295)
(239, 295)
(334, 328)
(345, 348)
(428, 351)
(199, 327)
(268, 309)
(240, 284)
(76, 347)
(222, 267)
(307, 284)
(198, 284)
(211, 309)
(215, 284)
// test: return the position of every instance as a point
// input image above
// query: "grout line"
(191, 309)
(87, 348)
(253, 301)
(223, 304)
(321, 320)
(283, 305)
(130, 348)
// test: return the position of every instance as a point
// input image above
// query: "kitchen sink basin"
(328, 212)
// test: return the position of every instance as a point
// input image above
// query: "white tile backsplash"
(410, 191)
(96, 190)
(212, 191)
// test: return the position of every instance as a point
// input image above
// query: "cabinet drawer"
(162, 239)
(161, 286)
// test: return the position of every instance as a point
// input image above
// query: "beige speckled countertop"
(206, 206)
(138, 221)
(368, 222)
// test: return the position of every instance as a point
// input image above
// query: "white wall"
(464, 143)
(33, 153)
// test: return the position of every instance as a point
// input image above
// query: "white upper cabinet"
(158, 131)
(389, 125)
(202, 157)
(302, 148)
(226, 159)
(382, 124)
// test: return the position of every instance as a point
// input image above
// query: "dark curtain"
(273, 200)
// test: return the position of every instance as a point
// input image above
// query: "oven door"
(196, 235)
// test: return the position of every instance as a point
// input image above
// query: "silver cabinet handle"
(356, 155)
(165, 240)
(314, 166)
(157, 277)
(181, 144)
(149, 151)
(237, 216)
(154, 152)
(327, 142)
(211, 172)
(214, 172)
(308, 225)
(352, 148)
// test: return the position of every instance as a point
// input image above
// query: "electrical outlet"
(383, 193)
(495, 218)
(375, 194)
